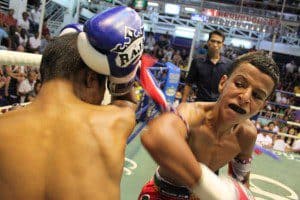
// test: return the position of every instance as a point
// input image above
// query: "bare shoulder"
(112, 114)
(246, 134)
(193, 112)
(247, 130)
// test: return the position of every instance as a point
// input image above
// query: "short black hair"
(217, 32)
(61, 58)
(261, 61)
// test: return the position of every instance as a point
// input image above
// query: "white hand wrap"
(212, 187)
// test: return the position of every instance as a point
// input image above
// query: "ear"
(91, 79)
(222, 82)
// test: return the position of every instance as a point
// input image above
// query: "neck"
(57, 91)
(218, 124)
(214, 56)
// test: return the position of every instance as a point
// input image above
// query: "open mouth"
(237, 109)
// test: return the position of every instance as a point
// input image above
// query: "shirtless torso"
(211, 148)
(62, 148)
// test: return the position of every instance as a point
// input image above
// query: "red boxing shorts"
(159, 189)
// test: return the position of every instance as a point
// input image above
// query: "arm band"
(239, 168)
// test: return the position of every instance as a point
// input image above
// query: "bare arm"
(186, 92)
(7, 86)
(165, 141)
(126, 100)
(247, 138)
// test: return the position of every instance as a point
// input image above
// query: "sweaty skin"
(56, 150)
(217, 133)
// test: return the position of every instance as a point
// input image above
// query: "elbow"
(151, 142)
(147, 142)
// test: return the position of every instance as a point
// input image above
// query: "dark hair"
(271, 123)
(61, 58)
(217, 32)
(261, 61)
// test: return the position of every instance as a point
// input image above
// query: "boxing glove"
(71, 28)
(112, 43)
(212, 187)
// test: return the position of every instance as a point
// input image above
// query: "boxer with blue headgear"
(112, 50)
(65, 144)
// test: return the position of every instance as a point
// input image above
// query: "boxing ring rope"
(281, 120)
(284, 105)
(278, 133)
(288, 93)
(20, 58)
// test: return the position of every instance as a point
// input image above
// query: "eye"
(257, 96)
(239, 84)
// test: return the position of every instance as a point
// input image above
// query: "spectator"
(44, 42)
(13, 38)
(263, 139)
(13, 79)
(3, 35)
(9, 19)
(206, 72)
(279, 144)
(184, 54)
(35, 91)
(169, 54)
(3, 83)
(296, 146)
(290, 67)
(177, 59)
(26, 86)
(34, 43)
(24, 22)
(289, 140)
(23, 38)
(150, 42)
(163, 41)
(45, 29)
(35, 17)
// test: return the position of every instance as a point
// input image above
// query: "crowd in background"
(19, 84)
(22, 34)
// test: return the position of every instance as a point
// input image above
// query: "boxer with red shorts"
(216, 133)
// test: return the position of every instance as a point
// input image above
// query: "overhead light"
(154, 4)
(188, 9)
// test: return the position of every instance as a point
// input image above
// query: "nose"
(245, 96)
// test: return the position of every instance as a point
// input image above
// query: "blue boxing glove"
(112, 43)
(71, 28)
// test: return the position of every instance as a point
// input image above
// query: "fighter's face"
(244, 93)
(215, 43)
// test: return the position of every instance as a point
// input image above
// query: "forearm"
(247, 180)
(186, 92)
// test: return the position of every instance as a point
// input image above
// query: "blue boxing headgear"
(112, 43)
